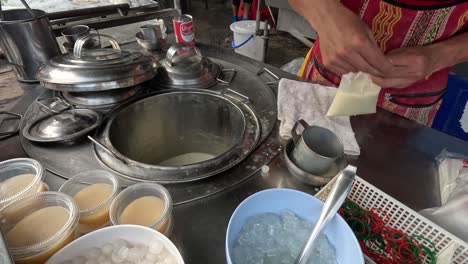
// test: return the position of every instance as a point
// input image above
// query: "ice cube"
(151, 257)
(278, 238)
(103, 258)
(119, 243)
(169, 260)
(135, 254)
(120, 255)
(92, 261)
(79, 260)
(93, 253)
(155, 247)
(107, 249)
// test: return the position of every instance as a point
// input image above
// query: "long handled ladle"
(335, 199)
(28, 8)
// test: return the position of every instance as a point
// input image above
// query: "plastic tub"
(94, 217)
(35, 250)
(305, 206)
(98, 238)
(245, 42)
(11, 188)
(163, 224)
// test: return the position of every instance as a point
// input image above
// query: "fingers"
(409, 64)
(341, 67)
(393, 82)
(374, 56)
(360, 63)
(377, 60)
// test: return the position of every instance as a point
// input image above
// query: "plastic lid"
(15, 167)
(85, 179)
(245, 26)
(17, 210)
(137, 191)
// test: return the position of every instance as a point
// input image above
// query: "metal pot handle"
(82, 40)
(56, 105)
(229, 92)
(222, 74)
(269, 73)
(294, 134)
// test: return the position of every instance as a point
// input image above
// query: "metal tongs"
(335, 199)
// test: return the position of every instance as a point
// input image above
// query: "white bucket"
(245, 42)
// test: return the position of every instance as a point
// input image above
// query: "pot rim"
(102, 135)
(9, 22)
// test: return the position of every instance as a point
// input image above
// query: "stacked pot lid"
(61, 124)
(185, 67)
(91, 70)
(101, 99)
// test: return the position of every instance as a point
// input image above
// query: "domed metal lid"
(96, 69)
(185, 67)
(64, 126)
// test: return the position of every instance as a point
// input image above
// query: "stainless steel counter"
(397, 156)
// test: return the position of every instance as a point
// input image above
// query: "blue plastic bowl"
(305, 206)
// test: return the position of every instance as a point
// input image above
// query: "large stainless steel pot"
(178, 135)
(27, 42)
(93, 70)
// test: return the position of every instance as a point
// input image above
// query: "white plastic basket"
(450, 249)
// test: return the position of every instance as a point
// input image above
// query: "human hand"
(348, 45)
(411, 65)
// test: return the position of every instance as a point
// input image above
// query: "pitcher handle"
(294, 134)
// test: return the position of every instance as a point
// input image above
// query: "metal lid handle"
(181, 49)
(82, 40)
(222, 74)
(275, 77)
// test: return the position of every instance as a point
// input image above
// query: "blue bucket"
(305, 206)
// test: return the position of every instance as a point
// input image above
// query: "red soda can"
(183, 29)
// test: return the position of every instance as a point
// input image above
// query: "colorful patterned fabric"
(397, 24)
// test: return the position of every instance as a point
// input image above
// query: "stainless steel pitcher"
(27, 41)
(316, 149)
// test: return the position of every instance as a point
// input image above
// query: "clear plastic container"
(42, 243)
(20, 177)
(97, 216)
(162, 224)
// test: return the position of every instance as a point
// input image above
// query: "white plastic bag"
(356, 95)
(453, 178)
(453, 215)
(450, 166)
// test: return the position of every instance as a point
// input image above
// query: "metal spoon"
(335, 199)
(99, 144)
(28, 8)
